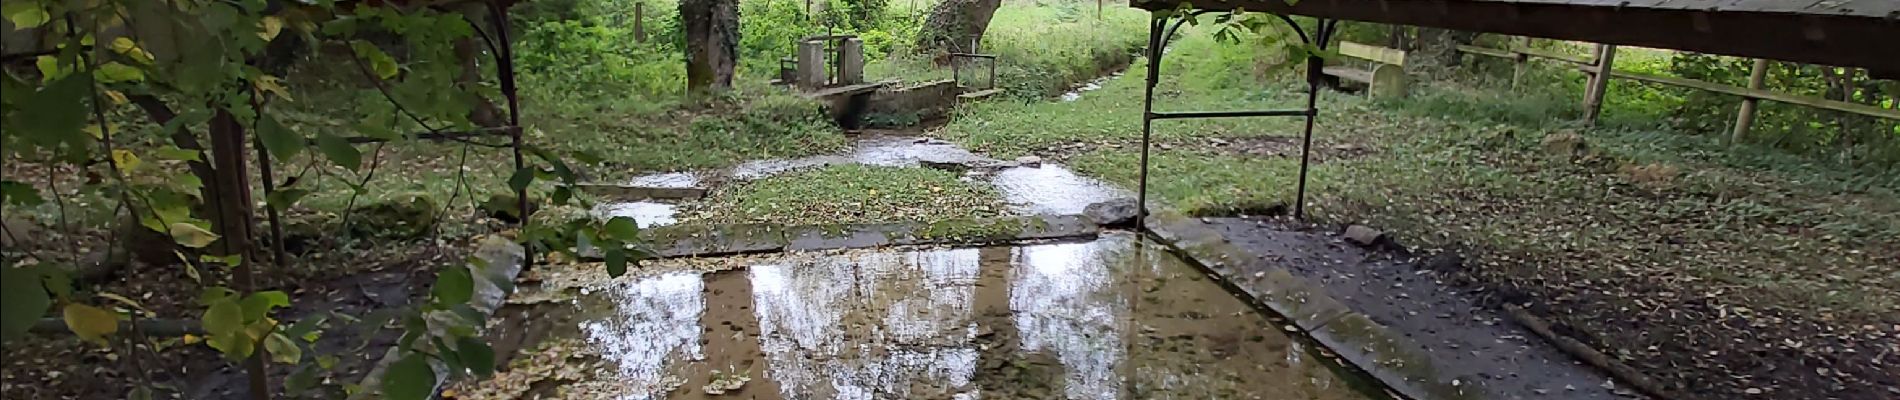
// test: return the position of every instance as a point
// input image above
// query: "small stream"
(1030, 190)
(1112, 318)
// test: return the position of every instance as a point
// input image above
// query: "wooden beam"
(1825, 104)
(1599, 83)
(1837, 37)
(1373, 53)
(1746, 117)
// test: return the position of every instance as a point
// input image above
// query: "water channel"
(1104, 319)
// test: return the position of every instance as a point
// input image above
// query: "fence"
(1605, 59)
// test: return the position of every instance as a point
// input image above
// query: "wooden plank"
(626, 192)
(1547, 54)
(1374, 53)
(847, 89)
(1485, 51)
(1825, 104)
(1349, 73)
(1824, 37)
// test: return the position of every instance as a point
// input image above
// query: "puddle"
(646, 214)
(1053, 189)
(666, 180)
(1097, 320)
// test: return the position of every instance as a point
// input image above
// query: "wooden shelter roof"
(1853, 33)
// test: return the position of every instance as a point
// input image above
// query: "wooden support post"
(1522, 61)
(1599, 83)
(639, 23)
(811, 64)
(1746, 117)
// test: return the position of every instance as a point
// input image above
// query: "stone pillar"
(851, 62)
(811, 64)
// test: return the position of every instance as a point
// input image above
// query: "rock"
(403, 216)
(1567, 145)
(1362, 235)
(1116, 212)
(1029, 161)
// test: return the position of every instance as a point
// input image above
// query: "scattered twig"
(349, 207)
(383, 88)
(1589, 355)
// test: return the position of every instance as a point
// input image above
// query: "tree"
(712, 43)
(956, 26)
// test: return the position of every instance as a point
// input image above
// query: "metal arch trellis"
(1160, 31)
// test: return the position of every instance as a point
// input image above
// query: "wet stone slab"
(1109, 318)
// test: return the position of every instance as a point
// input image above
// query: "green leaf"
(306, 328)
(282, 349)
(379, 62)
(192, 236)
(520, 180)
(170, 152)
(454, 285)
(18, 193)
(116, 72)
(213, 295)
(476, 355)
(235, 345)
(409, 379)
(223, 318)
(339, 151)
(91, 323)
(282, 142)
(623, 229)
(25, 13)
(616, 262)
(22, 300)
(282, 199)
(258, 305)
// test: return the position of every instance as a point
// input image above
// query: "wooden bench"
(1385, 79)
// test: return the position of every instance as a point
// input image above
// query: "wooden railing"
(1605, 54)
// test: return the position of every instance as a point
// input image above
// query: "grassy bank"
(850, 194)
(1676, 253)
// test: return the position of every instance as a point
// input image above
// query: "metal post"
(1746, 117)
(1147, 117)
(1599, 83)
(1313, 66)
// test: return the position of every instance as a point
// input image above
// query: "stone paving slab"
(1398, 362)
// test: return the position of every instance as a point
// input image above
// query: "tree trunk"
(712, 43)
(1437, 50)
(956, 26)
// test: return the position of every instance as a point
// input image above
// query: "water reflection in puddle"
(1096, 320)
(647, 214)
(1053, 189)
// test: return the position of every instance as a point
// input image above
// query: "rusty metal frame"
(956, 71)
(1160, 31)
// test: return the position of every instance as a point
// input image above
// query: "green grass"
(850, 194)
(1042, 48)
(1460, 166)
(1113, 113)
